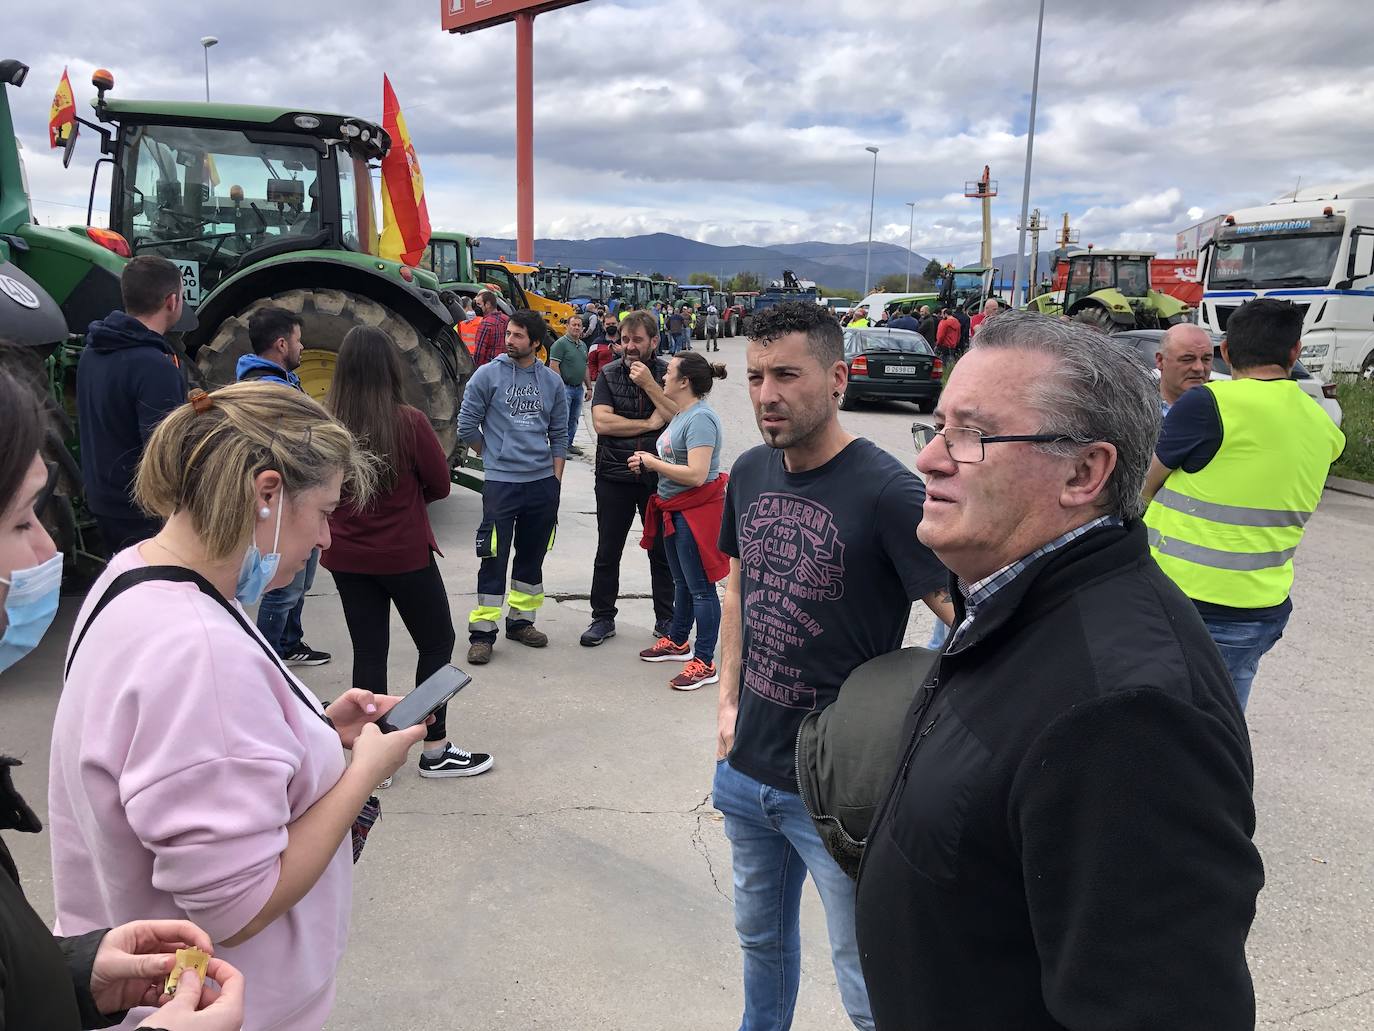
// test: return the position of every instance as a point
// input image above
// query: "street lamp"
(872, 194)
(1030, 147)
(207, 42)
(911, 226)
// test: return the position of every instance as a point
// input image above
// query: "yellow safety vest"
(1227, 533)
(858, 323)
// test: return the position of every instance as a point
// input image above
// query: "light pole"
(872, 195)
(911, 226)
(1030, 146)
(206, 43)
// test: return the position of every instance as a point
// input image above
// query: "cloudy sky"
(746, 121)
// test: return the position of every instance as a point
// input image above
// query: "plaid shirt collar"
(979, 593)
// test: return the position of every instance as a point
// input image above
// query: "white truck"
(1313, 247)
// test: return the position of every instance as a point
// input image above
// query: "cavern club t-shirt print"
(829, 567)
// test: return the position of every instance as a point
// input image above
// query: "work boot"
(479, 653)
(525, 633)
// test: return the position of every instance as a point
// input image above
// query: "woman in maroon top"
(384, 553)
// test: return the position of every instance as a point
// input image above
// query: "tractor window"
(585, 285)
(441, 257)
(501, 279)
(1103, 277)
(1080, 272)
(1133, 277)
(205, 197)
(356, 214)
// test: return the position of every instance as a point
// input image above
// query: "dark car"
(892, 365)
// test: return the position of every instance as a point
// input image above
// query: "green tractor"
(965, 289)
(1111, 290)
(274, 206)
(53, 282)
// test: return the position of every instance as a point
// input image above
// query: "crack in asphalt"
(698, 836)
(1318, 1009)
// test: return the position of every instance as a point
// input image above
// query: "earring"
(836, 394)
(264, 512)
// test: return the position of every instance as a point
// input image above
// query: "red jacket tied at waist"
(702, 507)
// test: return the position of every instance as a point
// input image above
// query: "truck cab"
(1313, 248)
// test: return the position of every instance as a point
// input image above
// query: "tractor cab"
(1127, 272)
(552, 283)
(218, 187)
(587, 286)
(663, 290)
(513, 281)
(636, 291)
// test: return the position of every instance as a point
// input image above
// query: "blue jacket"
(127, 380)
(519, 416)
(271, 371)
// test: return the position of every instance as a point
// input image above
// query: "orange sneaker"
(694, 675)
(664, 650)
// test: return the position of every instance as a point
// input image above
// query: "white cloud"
(745, 123)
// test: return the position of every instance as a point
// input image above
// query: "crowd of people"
(1066, 842)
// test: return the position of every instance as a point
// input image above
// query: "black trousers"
(421, 600)
(120, 532)
(616, 505)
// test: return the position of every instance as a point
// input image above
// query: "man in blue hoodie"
(127, 380)
(515, 415)
(275, 336)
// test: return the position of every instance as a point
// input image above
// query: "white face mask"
(258, 569)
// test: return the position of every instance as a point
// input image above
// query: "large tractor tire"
(437, 369)
(1096, 316)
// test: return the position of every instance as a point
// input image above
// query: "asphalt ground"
(585, 881)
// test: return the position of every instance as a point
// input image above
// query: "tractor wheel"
(437, 368)
(1367, 367)
(734, 326)
(1097, 317)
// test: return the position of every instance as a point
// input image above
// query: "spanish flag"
(406, 218)
(62, 116)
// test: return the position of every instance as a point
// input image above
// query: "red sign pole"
(524, 136)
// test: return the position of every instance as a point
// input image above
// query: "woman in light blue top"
(688, 459)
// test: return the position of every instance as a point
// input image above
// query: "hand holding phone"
(425, 700)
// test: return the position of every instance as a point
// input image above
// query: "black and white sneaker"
(456, 763)
(304, 655)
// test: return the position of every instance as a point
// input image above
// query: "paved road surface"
(585, 882)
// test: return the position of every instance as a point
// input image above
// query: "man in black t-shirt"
(821, 530)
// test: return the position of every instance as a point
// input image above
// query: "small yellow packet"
(187, 959)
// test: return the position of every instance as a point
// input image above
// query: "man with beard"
(824, 567)
(626, 420)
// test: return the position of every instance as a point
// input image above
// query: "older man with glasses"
(1067, 842)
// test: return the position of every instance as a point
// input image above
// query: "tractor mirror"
(290, 192)
(292, 165)
(69, 144)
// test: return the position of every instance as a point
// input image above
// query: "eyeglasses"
(965, 445)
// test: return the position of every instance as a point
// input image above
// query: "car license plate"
(900, 370)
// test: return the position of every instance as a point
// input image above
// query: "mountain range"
(832, 265)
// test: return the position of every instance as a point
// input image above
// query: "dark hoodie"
(126, 382)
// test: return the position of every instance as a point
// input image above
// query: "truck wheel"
(734, 326)
(437, 368)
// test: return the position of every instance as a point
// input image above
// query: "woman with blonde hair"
(192, 774)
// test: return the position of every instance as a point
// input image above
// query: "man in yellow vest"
(1238, 471)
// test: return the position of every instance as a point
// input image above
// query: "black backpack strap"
(180, 574)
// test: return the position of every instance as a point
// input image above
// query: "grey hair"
(1100, 390)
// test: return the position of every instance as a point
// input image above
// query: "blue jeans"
(679, 342)
(279, 615)
(694, 597)
(1242, 644)
(773, 846)
(575, 396)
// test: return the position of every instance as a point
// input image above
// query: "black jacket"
(1067, 841)
(126, 381)
(45, 982)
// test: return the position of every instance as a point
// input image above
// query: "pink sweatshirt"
(179, 757)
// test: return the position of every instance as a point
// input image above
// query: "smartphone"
(421, 703)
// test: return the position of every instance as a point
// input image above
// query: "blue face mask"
(30, 607)
(258, 569)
